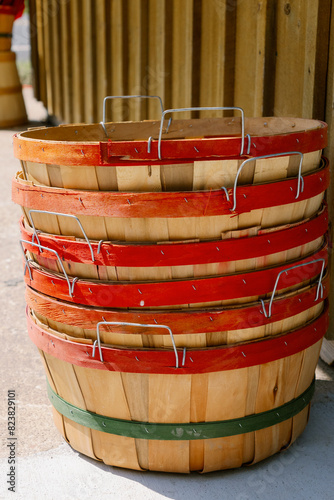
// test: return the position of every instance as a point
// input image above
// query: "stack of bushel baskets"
(177, 284)
(12, 108)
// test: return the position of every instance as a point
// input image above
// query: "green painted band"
(184, 431)
(6, 35)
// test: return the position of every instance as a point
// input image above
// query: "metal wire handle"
(319, 287)
(220, 108)
(39, 246)
(141, 325)
(125, 97)
(64, 215)
(300, 186)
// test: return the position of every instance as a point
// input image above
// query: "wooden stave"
(190, 176)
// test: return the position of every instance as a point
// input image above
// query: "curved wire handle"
(120, 323)
(210, 108)
(300, 186)
(319, 287)
(64, 215)
(125, 97)
(39, 246)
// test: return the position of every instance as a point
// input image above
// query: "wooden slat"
(56, 61)
(329, 151)
(169, 401)
(182, 55)
(40, 75)
(89, 74)
(76, 62)
(250, 56)
(297, 24)
(118, 57)
(158, 41)
(47, 29)
(212, 56)
(65, 53)
(34, 36)
(100, 56)
(137, 62)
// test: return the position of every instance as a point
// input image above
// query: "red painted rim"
(191, 321)
(180, 254)
(176, 292)
(169, 204)
(179, 150)
(196, 360)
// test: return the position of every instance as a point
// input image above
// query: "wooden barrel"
(220, 408)
(192, 155)
(12, 107)
(7, 16)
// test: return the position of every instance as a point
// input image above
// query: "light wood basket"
(12, 107)
(188, 155)
(182, 400)
(136, 217)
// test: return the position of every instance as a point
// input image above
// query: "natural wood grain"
(169, 401)
(250, 56)
(67, 386)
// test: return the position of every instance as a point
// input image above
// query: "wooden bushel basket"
(236, 251)
(218, 408)
(208, 327)
(12, 107)
(159, 216)
(195, 327)
(188, 155)
(176, 284)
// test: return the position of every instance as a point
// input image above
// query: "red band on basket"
(189, 321)
(195, 361)
(173, 150)
(180, 254)
(167, 293)
(213, 147)
(169, 204)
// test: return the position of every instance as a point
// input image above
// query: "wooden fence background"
(270, 57)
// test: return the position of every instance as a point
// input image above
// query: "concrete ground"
(48, 469)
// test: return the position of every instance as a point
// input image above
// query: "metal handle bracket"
(109, 97)
(300, 185)
(210, 108)
(139, 325)
(63, 215)
(39, 246)
(319, 287)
